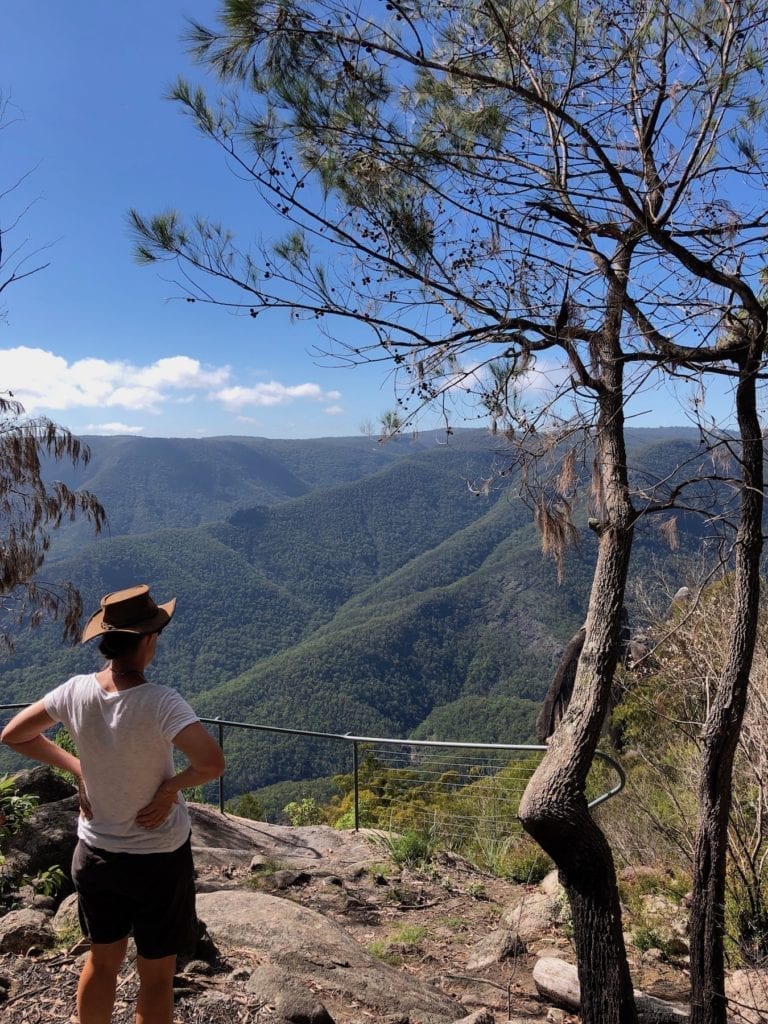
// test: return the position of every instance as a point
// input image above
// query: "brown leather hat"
(129, 611)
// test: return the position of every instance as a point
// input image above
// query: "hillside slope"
(393, 601)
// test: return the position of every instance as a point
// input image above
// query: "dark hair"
(115, 645)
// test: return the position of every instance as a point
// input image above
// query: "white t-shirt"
(125, 744)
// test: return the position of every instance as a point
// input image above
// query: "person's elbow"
(218, 764)
(212, 764)
(12, 736)
(28, 726)
(204, 755)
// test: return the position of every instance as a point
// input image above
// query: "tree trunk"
(723, 726)
(554, 806)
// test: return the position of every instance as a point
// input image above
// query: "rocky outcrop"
(219, 840)
(47, 839)
(44, 784)
(317, 952)
(316, 926)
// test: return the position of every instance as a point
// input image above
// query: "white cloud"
(111, 428)
(181, 372)
(43, 380)
(334, 410)
(273, 393)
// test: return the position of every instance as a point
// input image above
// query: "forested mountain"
(148, 483)
(368, 588)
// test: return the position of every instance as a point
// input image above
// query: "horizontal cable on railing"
(499, 768)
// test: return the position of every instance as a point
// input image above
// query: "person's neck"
(126, 676)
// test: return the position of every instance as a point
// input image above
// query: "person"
(132, 866)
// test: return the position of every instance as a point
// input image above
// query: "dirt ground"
(424, 922)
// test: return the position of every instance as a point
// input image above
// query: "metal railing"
(373, 744)
(489, 760)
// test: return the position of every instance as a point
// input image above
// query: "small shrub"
(382, 950)
(477, 891)
(260, 871)
(64, 740)
(304, 812)
(672, 885)
(411, 849)
(646, 937)
(379, 872)
(526, 863)
(49, 881)
(455, 924)
(410, 934)
(67, 935)
(15, 807)
(746, 940)
(406, 939)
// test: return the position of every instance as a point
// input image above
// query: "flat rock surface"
(217, 839)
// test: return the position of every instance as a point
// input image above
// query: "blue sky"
(97, 342)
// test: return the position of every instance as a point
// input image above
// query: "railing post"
(221, 777)
(356, 785)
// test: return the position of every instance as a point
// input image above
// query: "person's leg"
(98, 982)
(155, 1001)
(163, 911)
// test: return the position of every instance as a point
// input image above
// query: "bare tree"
(31, 506)
(17, 260)
(502, 193)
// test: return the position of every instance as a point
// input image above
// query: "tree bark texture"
(722, 729)
(554, 806)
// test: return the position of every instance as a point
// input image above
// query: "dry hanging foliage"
(31, 507)
(554, 521)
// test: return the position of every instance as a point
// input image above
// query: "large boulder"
(44, 783)
(225, 839)
(66, 918)
(747, 992)
(312, 949)
(292, 1000)
(533, 916)
(20, 930)
(48, 838)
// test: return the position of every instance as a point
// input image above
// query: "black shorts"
(151, 895)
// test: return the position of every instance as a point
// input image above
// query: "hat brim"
(95, 625)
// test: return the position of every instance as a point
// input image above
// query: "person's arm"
(206, 762)
(24, 734)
